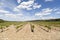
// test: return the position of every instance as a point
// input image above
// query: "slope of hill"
(46, 20)
(1, 20)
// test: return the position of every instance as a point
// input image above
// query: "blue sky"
(23, 10)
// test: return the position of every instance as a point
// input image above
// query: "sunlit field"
(25, 30)
(48, 23)
(6, 24)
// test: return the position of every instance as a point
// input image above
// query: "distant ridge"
(1, 20)
(58, 19)
(48, 20)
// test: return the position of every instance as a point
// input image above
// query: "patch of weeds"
(1, 27)
(7, 26)
(48, 26)
(32, 28)
(18, 26)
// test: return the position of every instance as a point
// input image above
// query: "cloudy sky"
(23, 10)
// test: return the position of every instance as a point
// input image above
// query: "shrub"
(32, 28)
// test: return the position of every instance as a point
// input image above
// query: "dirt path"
(26, 34)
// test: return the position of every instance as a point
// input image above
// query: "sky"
(25, 10)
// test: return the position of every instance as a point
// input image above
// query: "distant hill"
(54, 19)
(1, 20)
(46, 20)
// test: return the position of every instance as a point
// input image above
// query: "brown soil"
(26, 34)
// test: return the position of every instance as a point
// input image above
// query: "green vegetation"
(1, 27)
(48, 23)
(45, 23)
(1, 20)
(19, 26)
(32, 28)
(48, 27)
(6, 24)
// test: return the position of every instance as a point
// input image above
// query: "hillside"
(1, 20)
(46, 20)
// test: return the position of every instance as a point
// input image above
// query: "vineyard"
(30, 30)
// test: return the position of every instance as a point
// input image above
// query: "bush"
(32, 28)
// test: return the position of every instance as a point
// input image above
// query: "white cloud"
(36, 6)
(29, 5)
(48, 0)
(4, 11)
(1, 15)
(10, 15)
(25, 5)
(18, 1)
(1, 4)
(58, 12)
(29, 8)
(55, 9)
(43, 12)
(15, 9)
(19, 14)
(13, 15)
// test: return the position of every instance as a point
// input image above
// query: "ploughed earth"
(26, 33)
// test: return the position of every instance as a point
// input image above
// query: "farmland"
(30, 30)
(48, 23)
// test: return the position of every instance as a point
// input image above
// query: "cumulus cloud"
(19, 14)
(13, 15)
(43, 12)
(3, 11)
(18, 1)
(25, 4)
(29, 5)
(15, 9)
(9, 14)
(56, 10)
(36, 6)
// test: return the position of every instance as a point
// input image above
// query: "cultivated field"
(35, 30)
